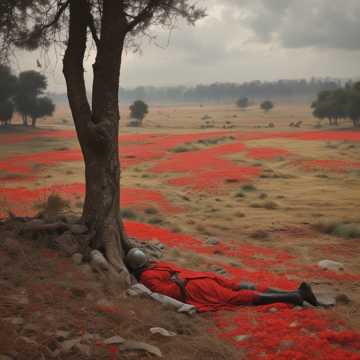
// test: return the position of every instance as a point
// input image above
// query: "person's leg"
(304, 290)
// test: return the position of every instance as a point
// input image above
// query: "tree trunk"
(98, 128)
(33, 122)
(24, 118)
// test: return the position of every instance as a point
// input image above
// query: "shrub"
(127, 213)
(151, 211)
(54, 205)
(248, 187)
(347, 231)
(259, 235)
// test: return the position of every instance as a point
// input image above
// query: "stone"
(15, 320)
(62, 334)
(78, 229)
(131, 345)
(212, 241)
(331, 265)
(28, 340)
(240, 338)
(77, 258)
(326, 300)
(342, 299)
(114, 340)
(162, 331)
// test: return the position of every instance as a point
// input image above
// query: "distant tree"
(353, 104)
(7, 90)
(339, 104)
(41, 107)
(6, 111)
(138, 111)
(243, 103)
(267, 105)
(30, 85)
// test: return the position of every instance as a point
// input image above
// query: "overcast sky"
(242, 40)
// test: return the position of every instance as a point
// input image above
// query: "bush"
(248, 187)
(54, 205)
(347, 231)
(127, 213)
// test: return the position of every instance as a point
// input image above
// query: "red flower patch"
(266, 153)
(206, 168)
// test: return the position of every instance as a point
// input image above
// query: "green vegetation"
(138, 111)
(128, 213)
(346, 231)
(197, 145)
(267, 105)
(243, 103)
(248, 187)
(342, 103)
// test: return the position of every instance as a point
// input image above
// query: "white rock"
(114, 340)
(162, 331)
(131, 345)
(331, 265)
(240, 338)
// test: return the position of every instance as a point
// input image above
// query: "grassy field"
(278, 198)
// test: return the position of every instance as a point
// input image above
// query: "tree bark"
(98, 128)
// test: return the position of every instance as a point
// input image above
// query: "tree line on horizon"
(23, 94)
(224, 92)
(230, 92)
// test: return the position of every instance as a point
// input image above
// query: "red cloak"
(205, 290)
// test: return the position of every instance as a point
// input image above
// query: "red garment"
(206, 291)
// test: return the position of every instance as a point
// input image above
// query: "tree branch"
(92, 27)
(143, 15)
(62, 8)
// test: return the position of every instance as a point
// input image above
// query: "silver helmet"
(135, 259)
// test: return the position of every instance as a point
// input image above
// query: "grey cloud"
(308, 23)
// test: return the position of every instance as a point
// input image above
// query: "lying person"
(207, 291)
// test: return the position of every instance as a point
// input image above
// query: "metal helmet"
(135, 259)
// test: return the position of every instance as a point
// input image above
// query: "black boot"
(294, 298)
(307, 294)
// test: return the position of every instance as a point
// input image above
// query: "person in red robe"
(207, 291)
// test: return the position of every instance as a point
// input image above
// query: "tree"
(138, 110)
(6, 111)
(337, 104)
(267, 105)
(30, 85)
(112, 24)
(243, 103)
(7, 90)
(353, 104)
(42, 107)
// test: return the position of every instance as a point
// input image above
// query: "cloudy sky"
(242, 40)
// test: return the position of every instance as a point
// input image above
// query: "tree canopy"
(341, 103)
(267, 105)
(8, 85)
(243, 103)
(31, 84)
(138, 111)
